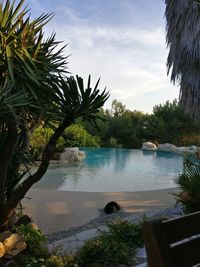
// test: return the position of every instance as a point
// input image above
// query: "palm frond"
(183, 40)
(73, 100)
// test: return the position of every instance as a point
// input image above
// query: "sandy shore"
(60, 210)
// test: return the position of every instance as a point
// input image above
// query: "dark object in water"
(111, 207)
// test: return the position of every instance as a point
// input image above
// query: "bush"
(36, 251)
(65, 261)
(130, 233)
(189, 183)
(39, 139)
(76, 135)
(33, 237)
(112, 248)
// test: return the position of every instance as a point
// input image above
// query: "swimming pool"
(114, 170)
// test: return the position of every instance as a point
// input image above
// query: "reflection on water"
(110, 169)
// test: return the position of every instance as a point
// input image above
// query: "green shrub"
(33, 262)
(39, 139)
(65, 261)
(36, 241)
(105, 251)
(76, 135)
(189, 183)
(112, 248)
(130, 233)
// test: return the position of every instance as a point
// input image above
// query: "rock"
(149, 146)
(182, 150)
(71, 149)
(34, 225)
(72, 154)
(2, 250)
(14, 244)
(23, 220)
(190, 150)
(167, 148)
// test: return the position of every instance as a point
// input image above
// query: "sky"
(121, 41)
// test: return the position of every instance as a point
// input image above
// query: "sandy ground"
(60, 210)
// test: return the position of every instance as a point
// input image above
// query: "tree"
(34, 91)
(183, 38)
(117, 108)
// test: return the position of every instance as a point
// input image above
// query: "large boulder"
(149, 146)
(167, 148)
(187, 150)
(14, 244)
(2, 250)
(182, 150)
(72, 154)
(192, 150)
(11, 244)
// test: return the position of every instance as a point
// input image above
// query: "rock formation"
(72, 154)
(149, 146)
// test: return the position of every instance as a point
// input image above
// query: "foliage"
(182, 20)
(112, 248)
(34, 91)
(76, 135)
(129, 129)
(33, 237)
(128, 232)
(39, 139)
(117, 108)
(36, 254)
(189, 183)
(48, 260)
(190, 139)
(171, 122)
(35, 262)
(36, 245)
(65, 261)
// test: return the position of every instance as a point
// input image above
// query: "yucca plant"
(189, 183)
(33, 92)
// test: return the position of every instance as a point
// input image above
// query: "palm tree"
(33, 89)
(183, 40)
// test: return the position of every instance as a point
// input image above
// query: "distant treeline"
(124, 128)
(129, 129)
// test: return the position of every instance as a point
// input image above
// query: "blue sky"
(121, 41)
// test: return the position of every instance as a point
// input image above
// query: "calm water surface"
(111, 169)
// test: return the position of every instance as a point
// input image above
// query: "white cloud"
(130, 60)
(109, 36)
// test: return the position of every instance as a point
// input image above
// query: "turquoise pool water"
(111, 169)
